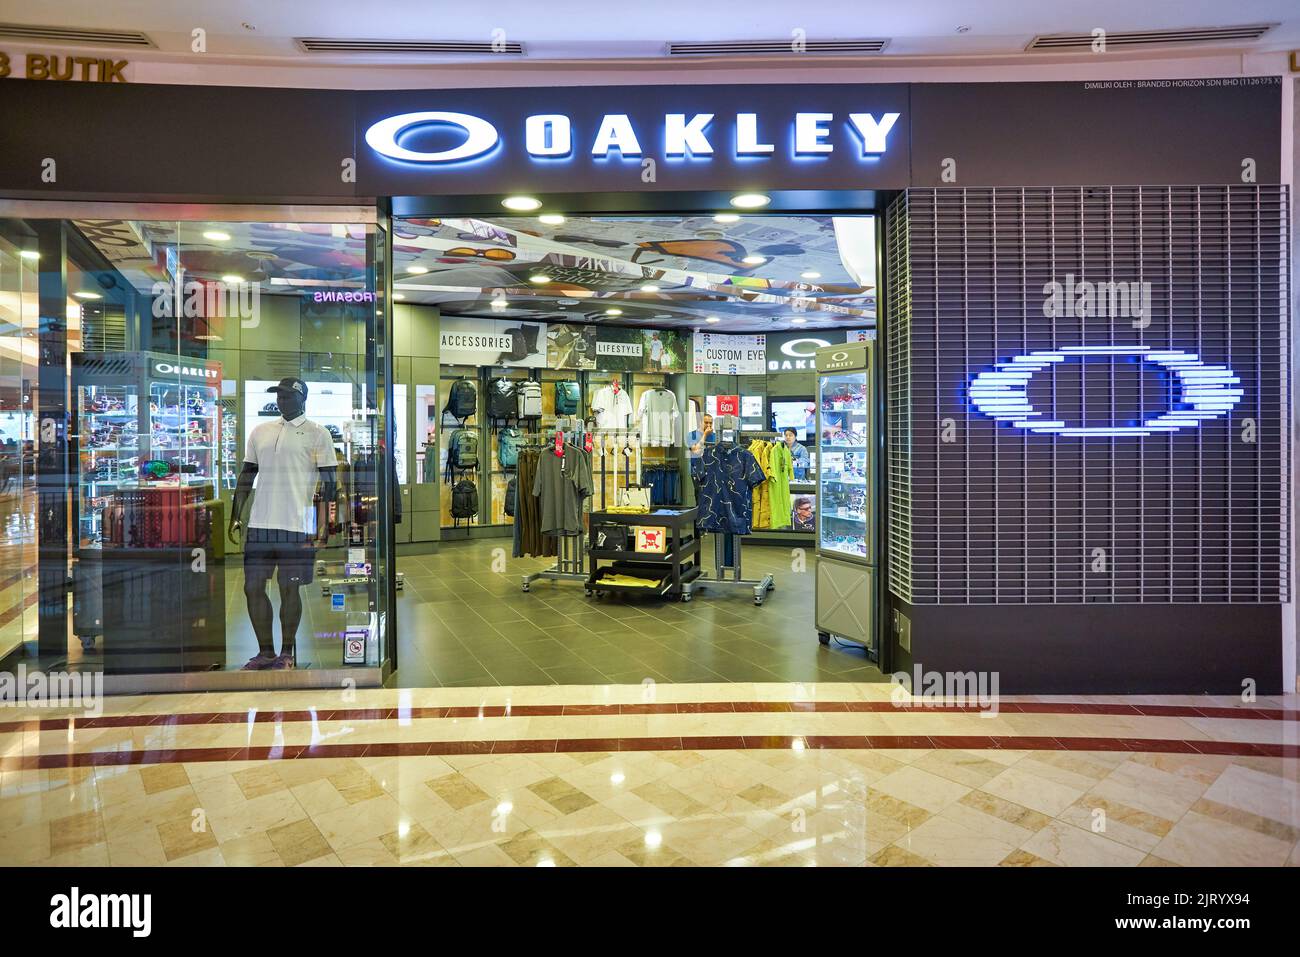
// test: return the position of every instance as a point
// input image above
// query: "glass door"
(843, 474)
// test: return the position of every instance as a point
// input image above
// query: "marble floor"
(827, 774)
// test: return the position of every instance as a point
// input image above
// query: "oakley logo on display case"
(1204, 391)
(551, 136)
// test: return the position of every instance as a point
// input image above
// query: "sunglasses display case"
(148, 435)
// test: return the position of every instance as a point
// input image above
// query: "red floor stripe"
(700, 743)
(602, 710)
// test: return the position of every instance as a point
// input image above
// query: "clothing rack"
(721, 541)
(570, 549)
(730, 541)
(597, 443)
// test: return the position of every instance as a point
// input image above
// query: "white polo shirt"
(288, 456)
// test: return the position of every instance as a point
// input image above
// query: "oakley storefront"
(230, 348)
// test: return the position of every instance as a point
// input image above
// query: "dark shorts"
(293, 553)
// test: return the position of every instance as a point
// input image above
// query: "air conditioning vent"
(1136, 38)
(777, 48)
(102, 38)
(414, 47)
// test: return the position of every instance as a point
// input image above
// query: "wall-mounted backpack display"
(512, 489)
(567, 398)
(462, 449)
(462, 399)
(464, 499)
(508, 441)
(502, 402)
(530, 399)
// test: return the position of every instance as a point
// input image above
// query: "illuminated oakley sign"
(696, 135)
(1002, 393)
(800, 352)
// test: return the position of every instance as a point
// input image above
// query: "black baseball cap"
(290, 384)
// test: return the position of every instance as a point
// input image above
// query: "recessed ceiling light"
(231, 277)
(810, 275)
(398, 295)
(521, 204)
(88, 295)
(30, 254)
(417, 270)
(539, 278)
(551, 219)
(615, 311)
(726, 218)
(750, 200)
(712, 319)
(649, 287)
(217, 236)
(500, 305)
(754, 260)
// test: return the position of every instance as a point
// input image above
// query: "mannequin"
(288, 457)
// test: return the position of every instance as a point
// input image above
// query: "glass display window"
(215, 526)
(843, 475)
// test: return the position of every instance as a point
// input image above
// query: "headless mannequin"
(260, 612)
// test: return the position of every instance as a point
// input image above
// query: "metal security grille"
(898, 400)
(1104, 508)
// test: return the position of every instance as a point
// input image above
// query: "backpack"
(462, 450)
(464, 499)
(512, 490)
(566, 398)
(530, 399)
(462, 400)
(501, 399)
(508, 447)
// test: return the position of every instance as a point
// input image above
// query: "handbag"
(634, 496)
(609, 537)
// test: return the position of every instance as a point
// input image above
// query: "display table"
(670, 571)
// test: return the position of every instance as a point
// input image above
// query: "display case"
(148, 576)
(843, 486)
(143, 419)
(845, 501)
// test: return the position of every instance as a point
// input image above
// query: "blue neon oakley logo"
(480, 136)
(552, 136)
(1002, 393)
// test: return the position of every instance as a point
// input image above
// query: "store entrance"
(714, 503)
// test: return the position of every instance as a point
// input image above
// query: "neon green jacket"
(781, 471)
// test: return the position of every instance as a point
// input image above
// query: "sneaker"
(260, 662)
(282, 663)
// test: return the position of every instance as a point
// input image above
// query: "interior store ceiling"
(812, 272)
(673, 272)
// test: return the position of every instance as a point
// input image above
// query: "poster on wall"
(615, 349)
(666, 351)
(717, 353)
(796, 351)
(492, 342)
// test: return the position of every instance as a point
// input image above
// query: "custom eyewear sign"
(730, 354)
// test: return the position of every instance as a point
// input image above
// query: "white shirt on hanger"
(657, 415)
(611, 408)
